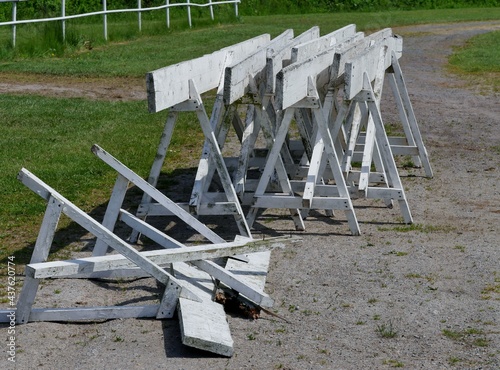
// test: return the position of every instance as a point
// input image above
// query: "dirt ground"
(435, 286)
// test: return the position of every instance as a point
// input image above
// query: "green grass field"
(52, 136)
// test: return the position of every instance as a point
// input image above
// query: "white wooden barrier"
(179, 88)
(318, 79)
(271, 79)
(182, 283)
(330, 86)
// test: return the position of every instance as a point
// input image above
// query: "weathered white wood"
(233, 281)
(157, 165)
(410, 114)
(316, 46)
(156, 194)
(277, 57)
(112, 212)
(367, 62)
(218, 162)
(203, 172)
(292, 81)
(92, 313)
(333, 160)
(204, 326)
(254, 272)
(348, 51)
(40, 254)
(247, 143)
(370, 144)
(148, 230)
(168, 86)
(213, 206)
(286, 201)
(385, 150)
(159, 257)
(237, 76)
(92, 226)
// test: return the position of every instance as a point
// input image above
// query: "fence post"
(211, 9)
(139, 14)
(14, 19)
(236, 8)
(189, 13)
(105, 8)
(168, 13)
(63, 14)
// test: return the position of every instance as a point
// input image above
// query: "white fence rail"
(139, 10)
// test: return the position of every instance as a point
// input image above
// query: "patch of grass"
(398, 253)
(418, 227)
(52, 139)
(461, 248)
(394, 363)
(123, 55)
(478, 60)
(452, 360)
(469, 335)
(490, 290)
(413, 276)
(386, 330)
(455, 335)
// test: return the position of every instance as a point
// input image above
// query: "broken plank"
(204, 326)
(158, 257)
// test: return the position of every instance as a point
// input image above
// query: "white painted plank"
(276, 57)
(348, 51)
(168, 86)
(112, 212)
(238, 76)
(316, 46)
(204, 326)
(158, 257)
(292, 81)
(254, 272)
(367, 62)
(227, 277)
(222, 207)
(270, 201)
(92, 313)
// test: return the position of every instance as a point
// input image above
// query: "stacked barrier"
(306, 112)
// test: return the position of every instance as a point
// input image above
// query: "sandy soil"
(436, 286)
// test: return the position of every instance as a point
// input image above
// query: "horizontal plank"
(238, 75)
(280, 201)
(316, 46)
(92, 313)
(169, 86)
(367, 62)
(159, 257)
(292, 81)
(276, 57)
(385, 193)
(219, 208)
